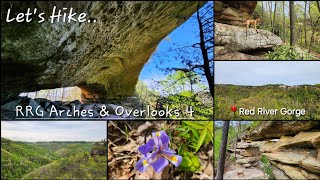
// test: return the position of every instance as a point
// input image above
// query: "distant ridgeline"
(52, 160)
(271, 96)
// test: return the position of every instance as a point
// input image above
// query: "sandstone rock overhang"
(276, 129)
(105, 57)
(233, 12)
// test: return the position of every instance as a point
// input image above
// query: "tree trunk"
(204, 52)
(223, 148)
(315, 28)
(262, 18)
(284, 23)
(305, 24)
(292, 27)
(274, 16)
(270, 12)
(300, 34)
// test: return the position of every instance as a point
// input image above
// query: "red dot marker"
(233, 109)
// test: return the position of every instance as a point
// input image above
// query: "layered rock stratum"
(296, 155)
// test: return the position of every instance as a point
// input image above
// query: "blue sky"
(32, 131)
(267, 72)
(185, 34)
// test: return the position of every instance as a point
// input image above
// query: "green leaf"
(180, 149)
(195, 133)
(186, 162)
(195, 161)
(183, 133)
(201, 139)
(194, 124)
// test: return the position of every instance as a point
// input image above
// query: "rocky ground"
(124, 138)
(294, 153)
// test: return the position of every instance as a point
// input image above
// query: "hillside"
(274, 96)
(78, 166)
(18, 158)
(64, 149)
(50, 160)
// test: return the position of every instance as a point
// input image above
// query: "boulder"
(235, 38)
(104, 57)
(233, 12)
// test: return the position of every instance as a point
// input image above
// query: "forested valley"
(53, 160)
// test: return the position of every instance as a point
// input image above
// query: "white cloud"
(267, 72)
(53, 131)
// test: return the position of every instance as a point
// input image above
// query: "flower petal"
(156, 139)
(160, 164)
(165, 139)
(168, 150)
(144, 149)
(174, 159)
(161, 139)
(141, 165)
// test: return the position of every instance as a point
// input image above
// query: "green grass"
(267, 167)
(217, 141)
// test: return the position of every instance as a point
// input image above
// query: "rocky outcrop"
(247, 154)
(286, 157)
(277, 129)
(294, 156)
(104, 57)
(229, 40)
(233, 41)
(295, 172)
(233, 12)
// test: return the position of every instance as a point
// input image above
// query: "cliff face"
(104, 58)
(233, 12)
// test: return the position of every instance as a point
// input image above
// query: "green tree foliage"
(51, 160)
(78, 166)
(146, 95)
(306, 22)
(268, 97)
(184, 89)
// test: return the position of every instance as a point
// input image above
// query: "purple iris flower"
(157, 153)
